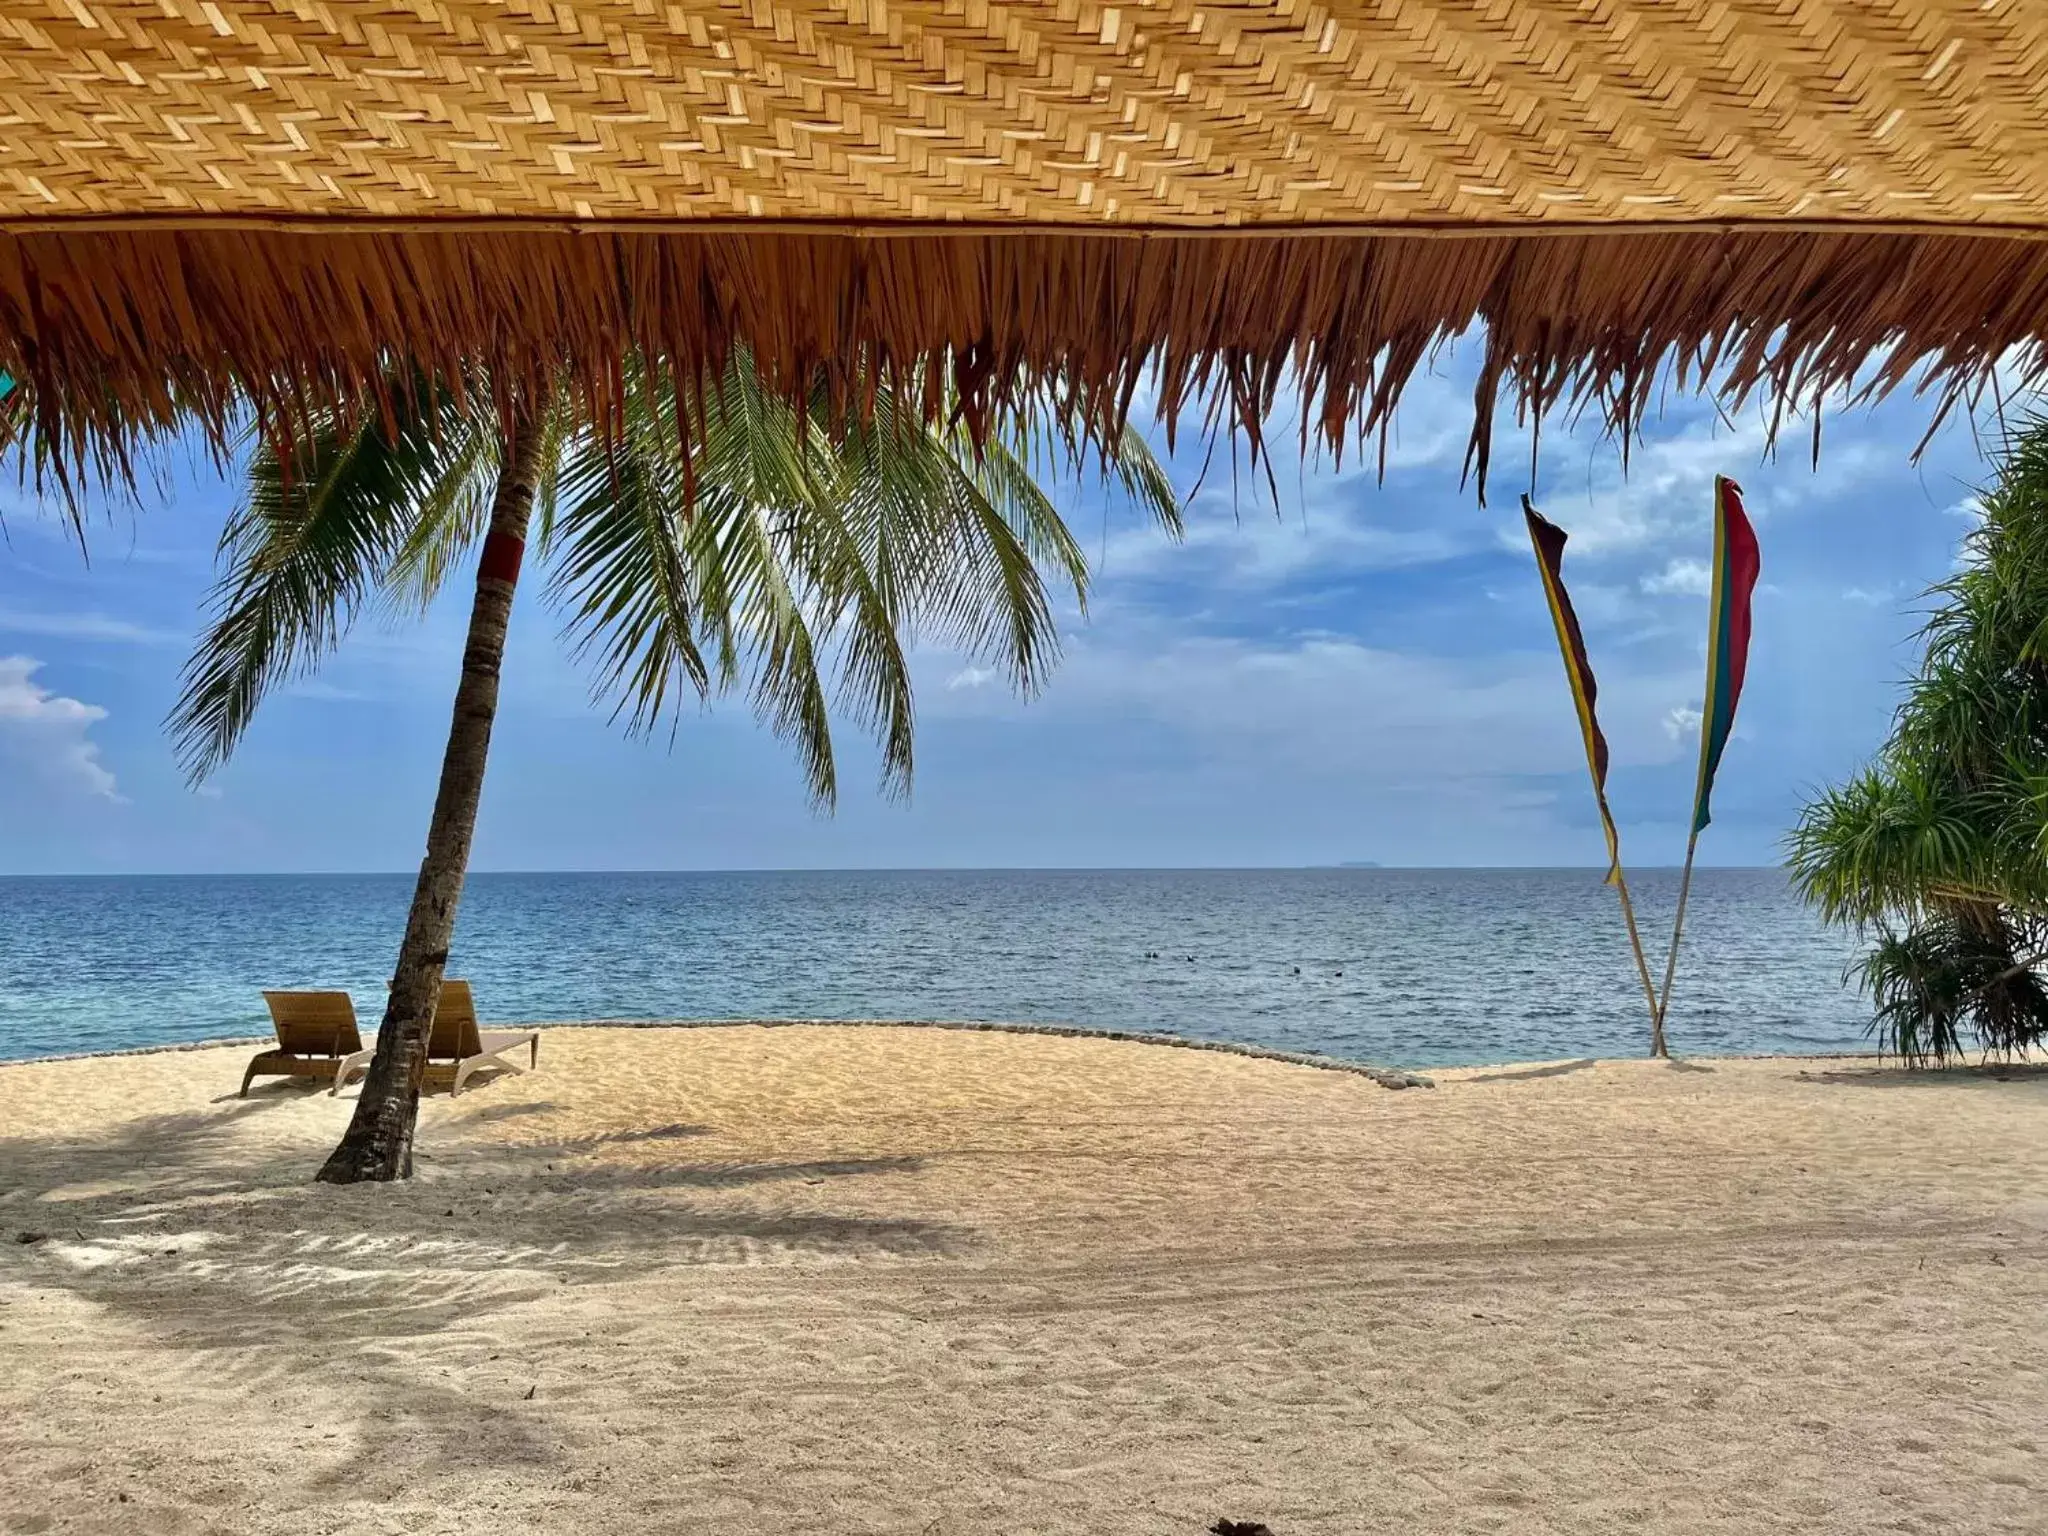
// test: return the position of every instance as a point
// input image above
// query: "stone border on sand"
(1386, 1077)
(216, 1043)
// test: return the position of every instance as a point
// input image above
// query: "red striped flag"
(1736, 564)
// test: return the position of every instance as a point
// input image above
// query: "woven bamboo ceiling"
(1189, 112)
(179, 176)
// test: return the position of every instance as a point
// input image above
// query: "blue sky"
(1365, 674)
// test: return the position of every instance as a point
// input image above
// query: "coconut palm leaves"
(763, 552)
(778, 560)
(1940, 847)
(358, 513)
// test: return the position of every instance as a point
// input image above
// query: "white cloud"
(970, 677)
(109, 532)
(47, 732)
(1336, 526)
(1333, 518)
(1663, 495)
(1875, 598)
(1682, 721)
(325, 692)
(1694, 578)
(1326, 706)
(1613, 506)
(84, 626)
(1429, 428)
(1646, 513)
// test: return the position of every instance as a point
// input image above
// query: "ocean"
(1401, 967)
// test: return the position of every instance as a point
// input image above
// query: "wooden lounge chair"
(457, 1046)
(316, 1037)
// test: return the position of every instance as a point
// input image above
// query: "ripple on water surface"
(1421, 967)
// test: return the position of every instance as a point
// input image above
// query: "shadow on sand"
(1525, 1074)
(217, 1253)
(1892, 1075)
(179, 1205)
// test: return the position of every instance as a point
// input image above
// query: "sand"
(891, 1280)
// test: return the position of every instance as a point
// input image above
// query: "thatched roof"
(215, 201)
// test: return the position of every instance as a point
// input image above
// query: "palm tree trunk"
(378, 1144)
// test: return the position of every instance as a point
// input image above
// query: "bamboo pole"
(1635, 939)
(1692, 845)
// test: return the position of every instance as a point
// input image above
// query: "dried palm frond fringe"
(117, 333)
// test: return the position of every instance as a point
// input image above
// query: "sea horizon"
(1351, 866)
(1397, 966)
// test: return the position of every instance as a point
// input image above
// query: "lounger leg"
(350, 1067)
(471, 1064)
(248, 1077)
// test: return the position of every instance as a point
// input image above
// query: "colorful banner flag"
(1736, 563)
(1549, 541)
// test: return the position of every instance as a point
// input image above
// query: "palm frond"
(449, 518)
(777, 552)
(325, 524)
(747, 547)
(621, 567)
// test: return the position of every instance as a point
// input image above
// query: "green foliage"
(1941, 845)
(1948, 974)
(770, 555)
(351, 514)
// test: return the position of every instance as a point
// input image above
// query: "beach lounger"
(457, 1046)
(316, 1037)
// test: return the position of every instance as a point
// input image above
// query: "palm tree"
(1940, 847)
(767, 553)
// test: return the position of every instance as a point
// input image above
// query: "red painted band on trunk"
(502, 554)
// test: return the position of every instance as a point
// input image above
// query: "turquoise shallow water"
(1415, 967)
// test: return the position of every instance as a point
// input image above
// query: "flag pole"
(1692, 845)
(1736, 565)
(1548, 540)
(1635, 939)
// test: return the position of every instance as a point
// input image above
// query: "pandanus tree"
(1938, 850)
(770, 554)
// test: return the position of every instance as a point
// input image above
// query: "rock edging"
(1386, 1077)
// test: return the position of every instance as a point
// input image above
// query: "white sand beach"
(753, 1280)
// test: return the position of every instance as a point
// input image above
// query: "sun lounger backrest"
(454, 1034)
(314, 1023)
